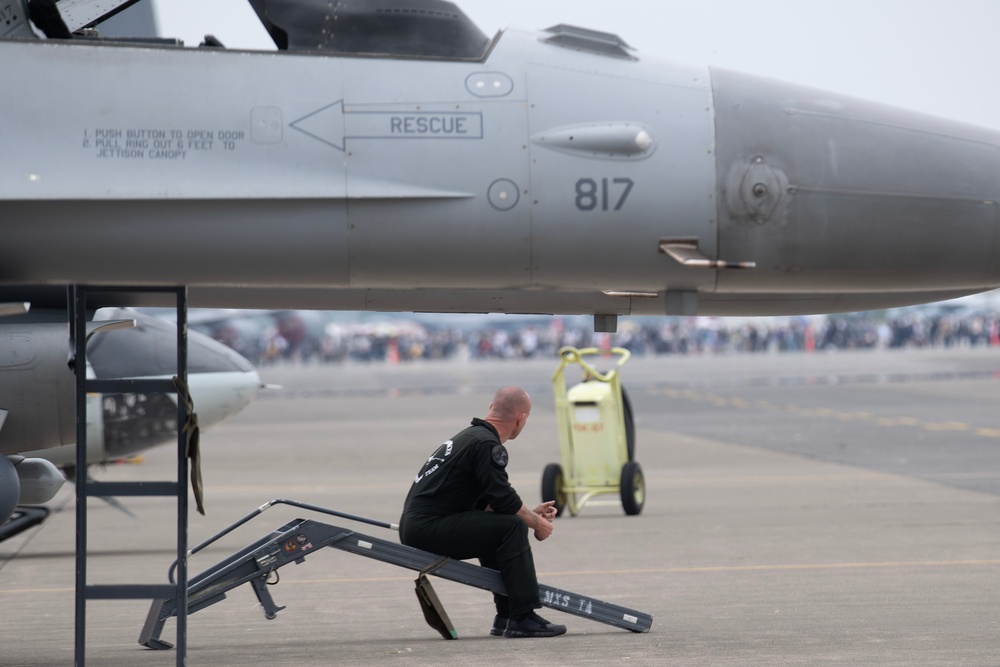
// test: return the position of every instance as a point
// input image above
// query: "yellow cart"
(596, 438)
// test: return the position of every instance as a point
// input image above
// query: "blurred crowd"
(308, 336)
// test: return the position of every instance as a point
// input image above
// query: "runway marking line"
(704, 569)
(946, 426)
(792, 478)
(741, 403)
(708, 569)
(962, 475)
(780, 567)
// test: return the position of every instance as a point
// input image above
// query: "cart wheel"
(633, 488)
(552, 486)
(629, 425)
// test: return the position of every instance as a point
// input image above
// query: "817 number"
(591, 194)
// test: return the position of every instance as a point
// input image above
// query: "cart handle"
(569, 355)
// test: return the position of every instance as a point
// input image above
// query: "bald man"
(462, 505)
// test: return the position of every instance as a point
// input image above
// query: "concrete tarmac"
(801, 510)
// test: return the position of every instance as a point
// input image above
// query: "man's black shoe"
(499, 625)
(533, 625)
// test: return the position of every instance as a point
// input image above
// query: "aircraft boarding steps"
(297, 539)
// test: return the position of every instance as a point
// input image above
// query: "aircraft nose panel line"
(896, 125)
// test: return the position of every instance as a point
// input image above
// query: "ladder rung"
(130, 386)
(130, 592)
(132, 489)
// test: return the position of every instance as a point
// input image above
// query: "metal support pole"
(78, 333)
(182, 479)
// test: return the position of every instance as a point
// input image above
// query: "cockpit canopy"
(409, 28)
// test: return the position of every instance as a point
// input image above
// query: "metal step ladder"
(86, 488)
(299, 538)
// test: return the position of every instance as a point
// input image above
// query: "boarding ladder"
(80, 333)
(257, 563)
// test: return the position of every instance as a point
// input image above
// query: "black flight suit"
(444, 514)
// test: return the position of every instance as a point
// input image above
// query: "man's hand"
(543, 529)
(536, 519)
(547, 510)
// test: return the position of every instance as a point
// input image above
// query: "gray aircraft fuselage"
(546, 177)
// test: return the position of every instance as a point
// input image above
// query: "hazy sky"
(928, 55)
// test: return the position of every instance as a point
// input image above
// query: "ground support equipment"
(299, 538)
(596, 438)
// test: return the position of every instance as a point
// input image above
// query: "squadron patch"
(500, 457)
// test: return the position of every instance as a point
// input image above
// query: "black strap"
(430, 604)
(192, 438)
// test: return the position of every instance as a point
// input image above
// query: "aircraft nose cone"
(829, 193)
(221, 381)
(217, 396)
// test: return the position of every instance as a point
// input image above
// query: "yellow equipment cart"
(596, 438)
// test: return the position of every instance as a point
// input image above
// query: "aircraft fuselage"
(539, 179)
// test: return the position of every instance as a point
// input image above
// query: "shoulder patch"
(500, 457)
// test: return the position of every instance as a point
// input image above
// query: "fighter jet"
(390, 156)
(37, 419)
